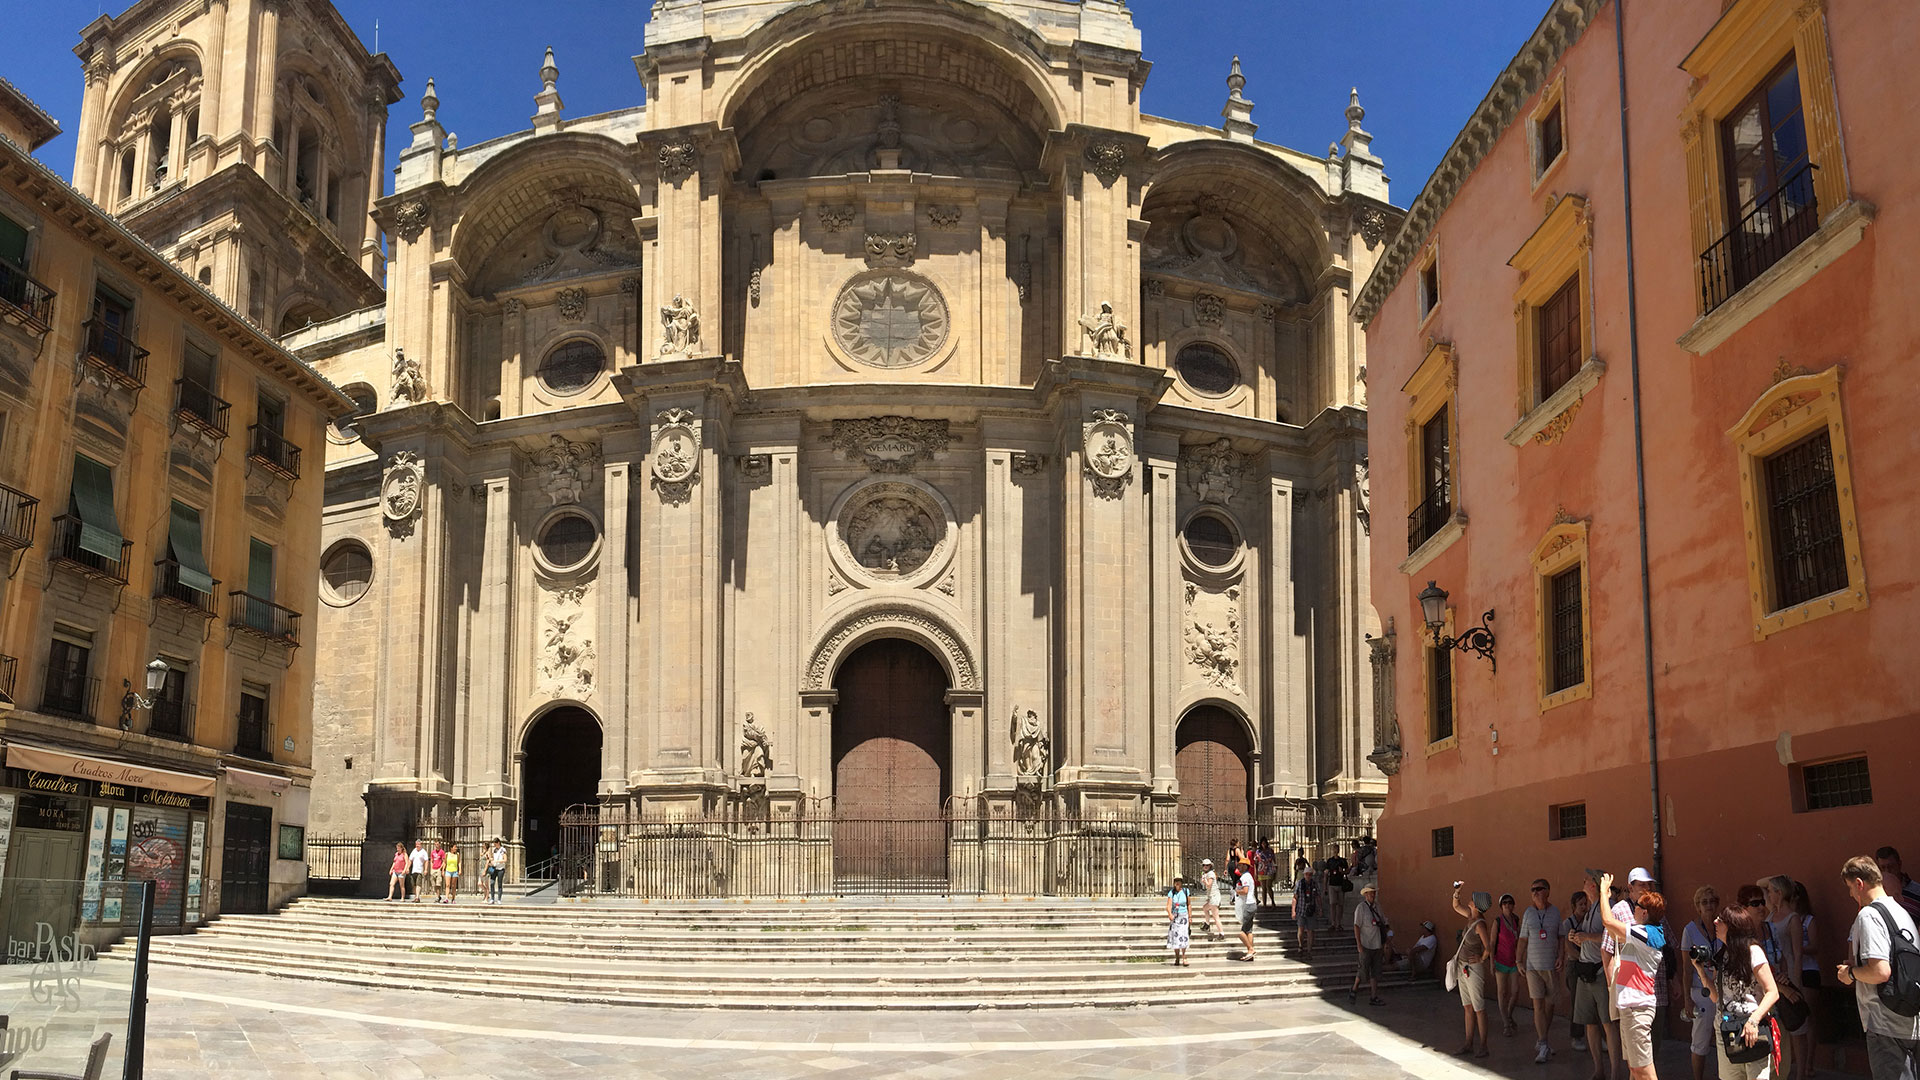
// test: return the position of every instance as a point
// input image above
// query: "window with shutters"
(1553, 320)
(1547, 129)
(1433, 458)
(1796, 495)
(70, 689)
(1563, 638)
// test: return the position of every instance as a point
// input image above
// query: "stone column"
(213, 72)
(290, 175)
(1290, 744)
(615, 624)
(88, 151)
(376, 186)
(492, 660)
(1097, 238)
(177, 146)
(1162, 453)
(266, 61)
(686, 256)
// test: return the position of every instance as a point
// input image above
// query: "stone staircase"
(906, 953)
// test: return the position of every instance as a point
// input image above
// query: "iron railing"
(260, 616)
(72, 696)
(9, 670)
(114, 352)
(17, 513)
(26, 300)
(168, 586)
(973, 849)
(201, 407)
(68, 552)
(270, 448)
(171, 720)
(1428, 519)
(1776, 225)
(339, 858)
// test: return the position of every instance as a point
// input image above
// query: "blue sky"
(1421, 65)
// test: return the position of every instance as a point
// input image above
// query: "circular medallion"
(890, 319)
(1109, 449)
(675, 454)
(891, 529)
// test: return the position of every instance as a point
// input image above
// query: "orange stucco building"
(1715, 677)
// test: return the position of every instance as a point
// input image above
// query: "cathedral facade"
(885, 414)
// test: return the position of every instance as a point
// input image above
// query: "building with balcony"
(1647, 431)
(156, 682)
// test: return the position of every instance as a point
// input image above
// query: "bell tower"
(246, 139)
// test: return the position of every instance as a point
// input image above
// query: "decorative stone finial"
(1236, 82)
(1355, 113)
(1237, 116)
(547, 106)
(429, 102)
(549, 73)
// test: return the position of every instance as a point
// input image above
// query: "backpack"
(1901, 993)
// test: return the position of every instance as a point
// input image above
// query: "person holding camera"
(1469, 970)
(1636, 975)
(1741, 988)
(1701, 938)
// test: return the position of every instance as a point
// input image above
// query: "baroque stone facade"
(879, 321)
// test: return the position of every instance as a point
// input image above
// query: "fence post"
(137, 1011)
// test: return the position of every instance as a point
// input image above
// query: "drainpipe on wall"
(1639, 442)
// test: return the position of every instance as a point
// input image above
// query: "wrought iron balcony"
(24, 300)
(195, 404)
(70, 696)
(263, 618)
(168, 586)
(9, 670)
(18, 511)
(171, 720)
(252, 739)
(1776, 225)
(114, 352)
(1428, 518)
(270, 448)
(68, 553)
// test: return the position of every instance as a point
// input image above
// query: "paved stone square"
(246, 1025)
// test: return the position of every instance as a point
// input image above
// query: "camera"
(1700, 954)
(1457, 884)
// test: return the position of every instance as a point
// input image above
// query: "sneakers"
(1580, 1045)
(1544, 1052)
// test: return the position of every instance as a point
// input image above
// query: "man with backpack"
(1884, 973)
(1306, 908)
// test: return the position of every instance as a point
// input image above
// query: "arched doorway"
(561, 768)
(891, 767)
(1213, 756)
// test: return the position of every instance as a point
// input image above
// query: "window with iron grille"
(1436, 487)
(1569, 821)
(1558, 348)
(1831, 784)
(1440, 704)
(1443, 842)
(1566, 641)
(1803, 519)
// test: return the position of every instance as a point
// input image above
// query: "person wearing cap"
(1210, 899)
(1470, 970)
(1636, 973)
(1425, 948)
(1370, 933)
(1540, 962)
(1506, 961)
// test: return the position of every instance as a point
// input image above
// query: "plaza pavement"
(204, 1024)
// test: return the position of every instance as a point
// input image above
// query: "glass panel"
(348, 570)
(1212, 540)
(272, 415)
(567, 541)
(1433, 437)
(13, 242)
(572, 367)
(1207, 369)
(68, 987)
(1442, 683)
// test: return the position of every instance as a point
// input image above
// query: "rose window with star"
(890, 319)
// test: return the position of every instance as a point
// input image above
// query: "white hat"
(1639, 874)
(1206, 862)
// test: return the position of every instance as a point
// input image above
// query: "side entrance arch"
(560, 767)
(1213, 760)
(892, 769)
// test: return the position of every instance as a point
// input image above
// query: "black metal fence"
(983, 850)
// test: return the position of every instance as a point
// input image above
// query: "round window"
(347, 570)
(1212, 540)
(1207, 368)
(567, 541)
(572, 367)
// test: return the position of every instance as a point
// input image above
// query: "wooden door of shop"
(245, 856)
(42, 887)
(890, 759)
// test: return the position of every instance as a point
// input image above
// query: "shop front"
(263, 847)
(98, 824)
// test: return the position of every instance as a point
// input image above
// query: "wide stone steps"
(933, 954)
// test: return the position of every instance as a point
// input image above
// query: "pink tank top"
(1506, 942)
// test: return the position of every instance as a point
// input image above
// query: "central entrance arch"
(561, 768)
(892, 768)
(1213, 759)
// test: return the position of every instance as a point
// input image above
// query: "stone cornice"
(1565, 21)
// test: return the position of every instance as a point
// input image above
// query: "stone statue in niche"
(679, 328)
(756, 749)
(1107, 337)
(563, 465)
(409, 383)
(1363, 496)
(1031, 749)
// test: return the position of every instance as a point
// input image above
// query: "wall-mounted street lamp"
(1479, 640)
(129, 701)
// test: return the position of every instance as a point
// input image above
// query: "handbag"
(1790, 1013)
(1586, 971)
(1733, 1039)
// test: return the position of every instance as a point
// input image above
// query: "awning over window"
(93, 499)
(184, 534)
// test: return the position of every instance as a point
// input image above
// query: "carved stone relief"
(1106, 158)
(836, 218)
(1363, 496)
(891, 249)
(410, 219)
(1107, 442)
(401, 490)
(890, 444)
(679, 328)
(1386, 719)
(891, 529)
(676, 455)
(567, 655)
(1032, 750)
(409, 382)
(1209, 308)
(677, 161)
(1214, 470)
(1212, 634)
(966, 675)
(1106, 339)
(1029, 464)
(943, 217)
(1373, 226)
(756, 468)
(890, 319)
(572, 304)
(564, 468)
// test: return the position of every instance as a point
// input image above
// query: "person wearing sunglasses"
(1701, 933)
(1540, 962)
(1636, 975)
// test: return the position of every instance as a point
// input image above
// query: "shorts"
(1590, 1002)
(1503, 968)
(1246, 918)
(1371, 963)
(439, 878)
(453, 877)
(1636, 1035)
(1473, 986)
(1706, 1031)
(1539, 984)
